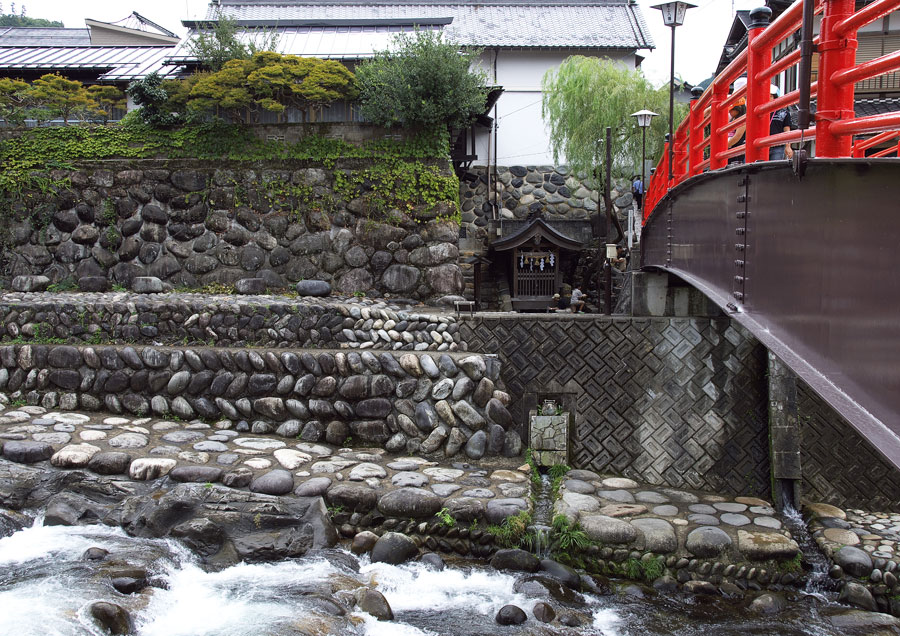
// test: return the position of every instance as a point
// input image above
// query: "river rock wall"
(408, 403)
(522, 190)
(179, 318)
(190, 225)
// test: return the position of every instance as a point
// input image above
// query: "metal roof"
(610, 24)
(115, 63)
(44, 36)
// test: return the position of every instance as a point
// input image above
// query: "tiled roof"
(44, 36)
(116, 63)
(592, 24)
(866, 107)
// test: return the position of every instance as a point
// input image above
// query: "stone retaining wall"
(413, 402)
(553, 190)
(270, 321)
(111, 222)
(669, 401)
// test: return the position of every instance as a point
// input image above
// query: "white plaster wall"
(522, 137)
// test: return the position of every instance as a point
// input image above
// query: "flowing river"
(47, 586)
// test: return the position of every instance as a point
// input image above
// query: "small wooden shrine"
(537, 258)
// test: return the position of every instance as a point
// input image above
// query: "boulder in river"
(111, 617)
(394, 548)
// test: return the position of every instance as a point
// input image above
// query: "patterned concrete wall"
(839, 466)
(671, 401)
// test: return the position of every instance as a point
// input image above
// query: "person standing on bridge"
(781, 122)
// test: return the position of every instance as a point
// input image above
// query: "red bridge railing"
(701, 141)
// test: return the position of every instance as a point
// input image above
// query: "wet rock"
(515, 559)
(433, 561)
(363, 542)
(95, 554)
(510, 615)
(274, 482)
(543, 612)
(128, 584)
(768, 604)
(112, 618)
(201, 535)
(499, 509)
(476, 445)
(314, 487)
(762, 546)
(352, 497)
(416, 503)
(607, 529)
(857, 594)
(544, 586)
(147, 468)
(854, 561)
(567, 575)
(313, 288)
(109, 463)
(238, 478)
(74, 455)
(373, 602)
(394, 548)
(196, 474)
(858, 623)
(659, 535)
(707, 542)
(26, 452)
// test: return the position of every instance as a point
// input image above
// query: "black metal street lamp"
(673, 16)
(643, 118)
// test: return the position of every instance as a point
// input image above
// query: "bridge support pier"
(659, 294)
(784, 434)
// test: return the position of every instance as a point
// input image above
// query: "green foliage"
(107, 98)
(567, 537)
(532, 463)
(587, 94)
(558, 470)
(149, 94)
(218, 42)
(11, 19)
(272, 82)
(14, 101)
(792, 565)
(445, 517)
(513, 531)
(60, 97)
(424, 82)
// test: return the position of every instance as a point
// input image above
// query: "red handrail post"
(835, 102)
(682, 140)
(758, 60)
(695, 152)
(718, 117)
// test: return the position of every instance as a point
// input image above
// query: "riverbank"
(232, 497)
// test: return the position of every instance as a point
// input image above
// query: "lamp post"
(673, 16)
(643, 118)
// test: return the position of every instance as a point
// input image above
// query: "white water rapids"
(46, 588)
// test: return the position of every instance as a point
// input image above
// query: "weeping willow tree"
(587, 94)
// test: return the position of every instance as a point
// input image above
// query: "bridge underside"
(809, 264)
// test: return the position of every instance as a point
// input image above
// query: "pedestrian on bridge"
(781, 122)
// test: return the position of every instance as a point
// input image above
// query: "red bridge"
(804, 253)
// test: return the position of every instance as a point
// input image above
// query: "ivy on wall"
(392, 175)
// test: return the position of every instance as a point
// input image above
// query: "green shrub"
(424, 82)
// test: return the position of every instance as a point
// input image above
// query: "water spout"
(818, 582)
(542, 517)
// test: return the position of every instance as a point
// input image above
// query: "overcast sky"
(698, 42)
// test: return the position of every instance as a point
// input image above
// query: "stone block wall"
(190, 225)
(839, 466)
(670, 401)
(553, 190)
(412, 402)
(180, 318)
